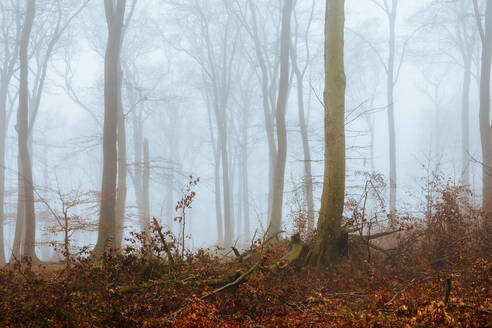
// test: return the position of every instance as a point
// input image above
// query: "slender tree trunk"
(218, 206)
(145, 220)
(23, 132)
(308, 177)
(238, 214)
(330, 236)
(244, 177)
(170, 203)
(390, 87)
(267, 85)
(122, 171)
(20, 216)
(137, 159)
(465, 122)
(3, 141)
(279, 173)
(107, 224)
(485, 127)
(226, 186)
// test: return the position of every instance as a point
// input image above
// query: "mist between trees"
(227, 120)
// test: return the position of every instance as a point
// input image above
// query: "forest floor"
(137, 290)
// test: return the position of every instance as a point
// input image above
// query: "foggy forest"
(245, 163)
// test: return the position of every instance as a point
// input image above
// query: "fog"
(200, 80)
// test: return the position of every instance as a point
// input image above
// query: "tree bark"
(145, 219)
(279, 172)
(330, 236)
(390, 87)
(23, 132)
(3, 141)
(485, 127)
(122, 170)
(244, 176)
(20, 217)
(217, 189)
(107, 224)
(308, 177)
(465, 122)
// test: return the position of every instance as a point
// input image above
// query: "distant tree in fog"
(10, 33)
(485, 125)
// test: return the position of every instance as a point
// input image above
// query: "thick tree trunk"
(23, 132)
(485, 127)
(107, 224)
(330, 236)
(279, 173)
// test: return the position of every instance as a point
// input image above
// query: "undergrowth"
(438, 274)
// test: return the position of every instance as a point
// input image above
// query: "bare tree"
(485, 126)
(115, 13)
(390, 10)
(330, 236)
(9, 38)
(300, 72)
(23, 133)
(43, 44)
(283, 93)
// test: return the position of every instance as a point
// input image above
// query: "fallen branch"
(239, 280)
(164, 244)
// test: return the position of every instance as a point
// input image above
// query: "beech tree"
(484, 116)
(283, 94)
(51, 22)
(115, 13)
(10, 25)
(330, 235)
(22, 128)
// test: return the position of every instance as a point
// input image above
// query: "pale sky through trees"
(165, 87)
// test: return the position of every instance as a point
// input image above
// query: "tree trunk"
(122, 171)
(244, 177)
(107, 224)
(330, 236)
(23, 132)
(485, 127)
(145, 219)
(465, 123)
(226, 186)
(137, 159)
(267, 84)
(279, 173)
(3, 141)
(308, 177)
(20, 217)
(390, 86)
(218, 206)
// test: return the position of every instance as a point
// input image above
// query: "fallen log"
(296, 248)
